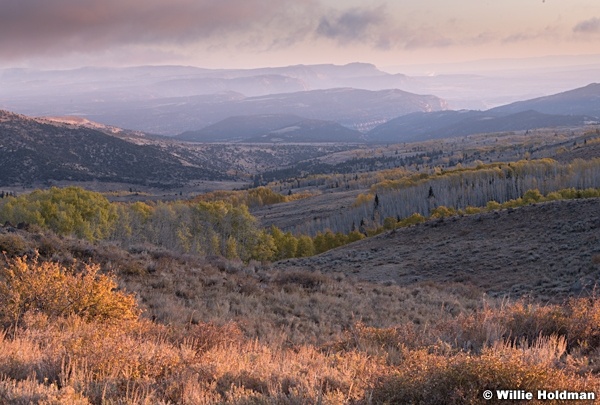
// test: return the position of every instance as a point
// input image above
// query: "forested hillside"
(399, 193)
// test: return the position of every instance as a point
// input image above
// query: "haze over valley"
(359, 96)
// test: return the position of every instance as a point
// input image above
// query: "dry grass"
(546, 251)
(70, 360)
(222, 332)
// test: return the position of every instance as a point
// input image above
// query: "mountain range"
(574, 108)
(580, 101)
(425, 126)
(353, 108)
(170, 100)
(579, 107)
(137, 83)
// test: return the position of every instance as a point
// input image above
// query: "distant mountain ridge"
(580, 101)
(33, 151)
(416, 126)
(169, 100)
(273, 128)
(169, 81)
(425, 126)
(353, 108)
(574, 108)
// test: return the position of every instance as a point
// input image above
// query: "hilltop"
(423, 126)
(273, 128)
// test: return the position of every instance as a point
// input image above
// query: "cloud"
(519, 37)
(591, 26)
(163, 30)
(377, 28)
(549, 33)
(351, 25)
(40, 28)
(428, 38)
(35, 27)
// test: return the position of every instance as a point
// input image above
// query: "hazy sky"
(255, 33)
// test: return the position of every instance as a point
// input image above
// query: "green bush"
(66, 211)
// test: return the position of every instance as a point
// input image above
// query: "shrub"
(55, 291)
(389, 223)
(412, 220)
(30, 391)
(576, 321)
(532, 196)
(309, 280)
(473, 210)
(12, 245)
(431, 379)
(442, 212)
(493, 205)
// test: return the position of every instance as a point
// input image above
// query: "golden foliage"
(252, 198)
(55, 291)
(66, 211)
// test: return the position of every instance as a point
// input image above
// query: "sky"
(258, 33)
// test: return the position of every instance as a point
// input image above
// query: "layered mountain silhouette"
(169, 100)
(331, 102)
(573, 108)
(352, 108)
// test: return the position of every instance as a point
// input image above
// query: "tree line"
(422, 193)
(204, 228)
(226, 228)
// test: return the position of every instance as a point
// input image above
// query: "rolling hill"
(445, 124)
(543, 250)
(580, 101)
(273, 128)
(34, 151)
(574, 108)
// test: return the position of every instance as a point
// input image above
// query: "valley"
(266, 238)
(319, 202)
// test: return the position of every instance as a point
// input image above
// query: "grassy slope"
(223, 332)
(545, 251)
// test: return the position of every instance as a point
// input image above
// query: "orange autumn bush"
(55, 291)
